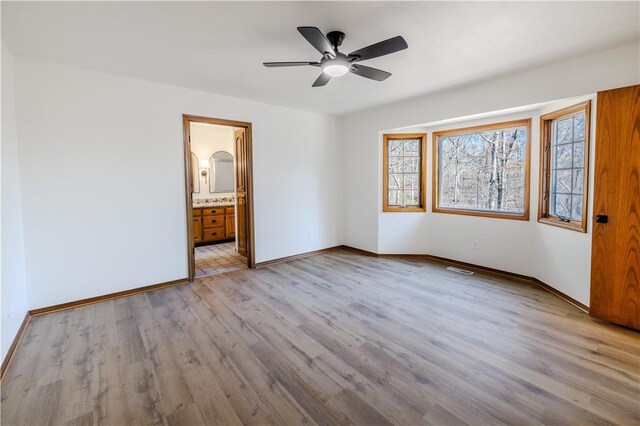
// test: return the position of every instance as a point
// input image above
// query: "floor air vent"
(460, 271)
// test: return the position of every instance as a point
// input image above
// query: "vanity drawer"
(209, 211)
(213, 221)
(213, 234)
(197, 212)
(230, 210)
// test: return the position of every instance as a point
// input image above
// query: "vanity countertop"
(213, 204)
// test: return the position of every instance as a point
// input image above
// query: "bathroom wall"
(207, 139)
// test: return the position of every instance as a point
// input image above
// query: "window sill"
(572, 226)
(481, 213)
(408, 209)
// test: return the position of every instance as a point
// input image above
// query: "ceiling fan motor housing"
(335, 38)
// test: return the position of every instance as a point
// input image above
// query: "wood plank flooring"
(337, 338)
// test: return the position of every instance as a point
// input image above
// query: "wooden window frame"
(544, 216)
(435, 189)
(385, 173)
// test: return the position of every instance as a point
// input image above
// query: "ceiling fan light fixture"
(335, 63)
(336, 67)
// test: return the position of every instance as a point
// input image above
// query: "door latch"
(602, 218)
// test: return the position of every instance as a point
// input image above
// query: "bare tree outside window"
(483, 170)
(567, 163)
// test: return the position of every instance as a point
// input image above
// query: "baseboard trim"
(494, 271)
(384, 255)
(584, 308)
(296, 256)
(359, 251)
(515, 276)
(14, 345)
(105, 297)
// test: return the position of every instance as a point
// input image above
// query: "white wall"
(80, 130)
(551, 254)
(402, 233)
(453, 236)
(562, 258)
(206, 140)
(367, 227)
(12, 265)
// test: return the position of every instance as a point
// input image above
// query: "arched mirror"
(195, 176)
(221, 166)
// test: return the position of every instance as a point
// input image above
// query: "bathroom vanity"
(213, 224)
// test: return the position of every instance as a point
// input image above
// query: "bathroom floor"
(218, 258)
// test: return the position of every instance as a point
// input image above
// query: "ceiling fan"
(335, 63)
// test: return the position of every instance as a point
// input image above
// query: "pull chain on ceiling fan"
(335, 63)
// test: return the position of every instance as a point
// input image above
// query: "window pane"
(564, 154)
(576, 207)
(413, 198)
(412, 147)
(402, 198)
(395, 164)
(395, 147)
(411, 164)
(411, 181)
(483, 170)
(392, 198)
(578, 154)
(564, 131)
(562, 205)
(395, 181)
(563, 181)
(410, 198)
(578, 178)
(578, 126)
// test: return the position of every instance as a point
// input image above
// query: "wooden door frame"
(187, 119)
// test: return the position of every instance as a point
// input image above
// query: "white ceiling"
(220, 46)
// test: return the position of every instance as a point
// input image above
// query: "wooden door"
(241, 191)
(197, 229)
(230, 225)
(615, 254)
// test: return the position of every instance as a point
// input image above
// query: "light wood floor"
(337, 338)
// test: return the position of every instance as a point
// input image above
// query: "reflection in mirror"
(221, 169)
(195, 176)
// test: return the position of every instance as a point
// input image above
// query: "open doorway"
(219, 201)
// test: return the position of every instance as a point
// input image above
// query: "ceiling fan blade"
(288, 64)
(368, 72)
(322, 80)
(317, 39)
(382, 48)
